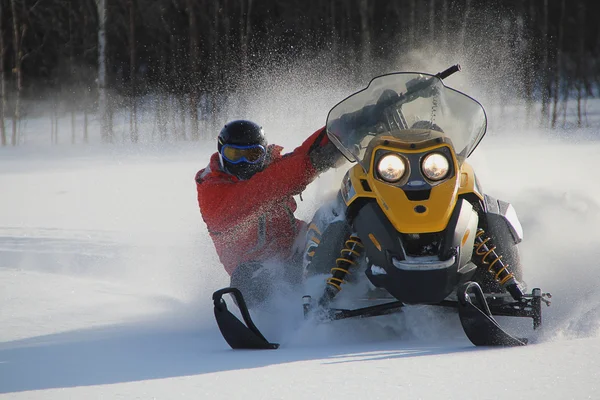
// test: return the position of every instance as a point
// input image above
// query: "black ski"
(235, 333)
(478, 323)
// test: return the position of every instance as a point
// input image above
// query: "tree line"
(94, 57)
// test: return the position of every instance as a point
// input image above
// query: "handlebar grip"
(448, 72)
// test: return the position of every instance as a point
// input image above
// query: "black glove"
(386, 99)
(324, 157)
(423, 86)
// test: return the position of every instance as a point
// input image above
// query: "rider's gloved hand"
(386, 99)
(325, 157)
(424, 85)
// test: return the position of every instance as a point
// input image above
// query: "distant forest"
(105, 54)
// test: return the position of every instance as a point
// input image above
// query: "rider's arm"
(285, 177)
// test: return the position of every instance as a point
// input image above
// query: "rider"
(246, 199)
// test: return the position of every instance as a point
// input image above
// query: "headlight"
(435, 166)
(391, 168)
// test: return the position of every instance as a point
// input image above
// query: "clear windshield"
(395, 103)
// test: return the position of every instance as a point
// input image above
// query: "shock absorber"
(349, 255)
(487, 251)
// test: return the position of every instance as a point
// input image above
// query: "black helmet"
(242, 148)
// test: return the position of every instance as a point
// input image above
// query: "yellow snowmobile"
(412, 218)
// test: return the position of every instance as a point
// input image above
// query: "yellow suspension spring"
(348, 255)
(496, 267)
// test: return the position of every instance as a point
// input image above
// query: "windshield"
(395, 103)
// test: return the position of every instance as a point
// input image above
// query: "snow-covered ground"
(106, 273)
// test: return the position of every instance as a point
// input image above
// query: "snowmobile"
(413, 220)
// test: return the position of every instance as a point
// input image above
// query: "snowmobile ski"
(478, 323)
(235, 333)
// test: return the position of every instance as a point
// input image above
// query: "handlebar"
(369, 115)
(411, 92)
(446, 73)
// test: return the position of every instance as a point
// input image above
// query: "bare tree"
(86, 21)
(529, 70)
(431, 22)
(226, 29)
(54, 125)
(546, 78)
(72, 67)
(412, 36)
(194, 61)
(2, 85)
(445, 30)
(103, 107)
(133, 131)
(18, 33)
(365, 11)
(582, 64)
(332, 24)
(182, 132)
(465, 21)
(559, 62)
(245, 33)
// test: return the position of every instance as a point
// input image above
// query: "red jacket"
(253, 220)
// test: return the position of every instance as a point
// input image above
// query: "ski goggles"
(252, 154)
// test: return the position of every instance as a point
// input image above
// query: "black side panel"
(372, 220)
(448, 250)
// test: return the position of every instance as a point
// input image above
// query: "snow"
(377, 270)
(107, 271)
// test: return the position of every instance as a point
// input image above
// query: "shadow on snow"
(164, 349)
